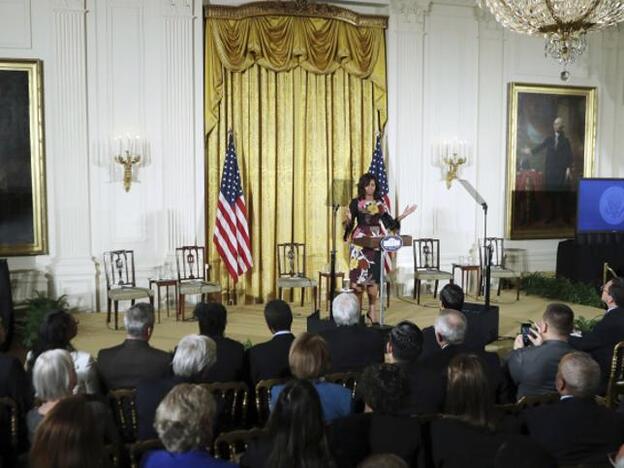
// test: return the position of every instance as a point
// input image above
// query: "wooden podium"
(390, 243)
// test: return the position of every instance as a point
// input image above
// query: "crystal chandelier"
(563, 23)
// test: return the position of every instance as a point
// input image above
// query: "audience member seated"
(56, 331)
(184, 421)
(470, 432)
(193, 355)
(576, 429)
(296, 432)
(309, 359)
(607, 333)
(212, 319)
(450, 330)
(451, 297)
(54, 379)
(383, 460)
(125, 365)
(426, 387)
(384, 389)
(533, 368)
(67, 438)
(269, 360)
(352, 346)
(14, 384)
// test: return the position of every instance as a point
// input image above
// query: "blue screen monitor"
(600, 206)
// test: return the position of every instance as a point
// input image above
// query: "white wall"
(134, 67)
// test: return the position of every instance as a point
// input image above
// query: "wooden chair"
(497, 267)
(538, 400)
(427, 265)
(233, 398)
(138, 449)
(122, 403)
(231, 445)
(9, 412)
(193, 275)
(263, 397)
(347, 379)
(615, 386)
(120, 282)
(291, 272)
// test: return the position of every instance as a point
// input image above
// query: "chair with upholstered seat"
(193, 275)
(120, 281)
(497, 266)
(291, 272)
(427, 265)
(233, 399)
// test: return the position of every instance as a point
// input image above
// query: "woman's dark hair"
(67, 438)
(383, 387)
(364, 181)
(212, 318)
(297, 429)
(406, 340)
(468, 394)
(55, 332)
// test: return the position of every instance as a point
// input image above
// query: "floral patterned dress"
(367, 216)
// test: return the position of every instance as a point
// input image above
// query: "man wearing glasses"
(608, 332)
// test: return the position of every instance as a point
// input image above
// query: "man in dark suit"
(451, 297)
(533, 368)
(576, 430)
(608, 332)
(426, 387)
(269, 360)
(450, 330)
(125, 365)
(193, 355)
(351, 346)
(212, 319)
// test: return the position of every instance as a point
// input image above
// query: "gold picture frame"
(23, 210)
(550, 145)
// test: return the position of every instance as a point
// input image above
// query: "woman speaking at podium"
(369, 210)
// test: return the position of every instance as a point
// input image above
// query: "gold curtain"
(304, 97)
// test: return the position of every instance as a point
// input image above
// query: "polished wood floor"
(246, 322)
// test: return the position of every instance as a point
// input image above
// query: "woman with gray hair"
(54, 379)
(183, 422)
(194, 354)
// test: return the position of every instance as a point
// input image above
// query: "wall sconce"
(451, 156)
(127, 154)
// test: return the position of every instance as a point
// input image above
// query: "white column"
(72, 265)
(182, 192)
(406, 39)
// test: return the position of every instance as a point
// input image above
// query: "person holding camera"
(533, 363)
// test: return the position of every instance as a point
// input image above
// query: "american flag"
(231, 234)
(378, 169)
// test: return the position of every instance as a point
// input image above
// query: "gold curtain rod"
(290, 8)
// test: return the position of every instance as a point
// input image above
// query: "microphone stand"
(332, 263)
(487, 249)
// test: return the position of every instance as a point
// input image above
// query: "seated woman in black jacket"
(296, 432)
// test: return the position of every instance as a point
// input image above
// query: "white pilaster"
(73, 268)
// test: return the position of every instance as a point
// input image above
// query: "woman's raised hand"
(408, 211)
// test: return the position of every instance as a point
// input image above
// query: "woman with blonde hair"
(309, 359)
(184, 421)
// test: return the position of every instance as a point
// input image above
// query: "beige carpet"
(246, 322)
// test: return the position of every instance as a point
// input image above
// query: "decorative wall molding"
(410, 12)
(15, 24)
(177, 8)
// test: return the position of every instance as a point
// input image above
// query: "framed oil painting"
(551, 140)
(23, 217)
